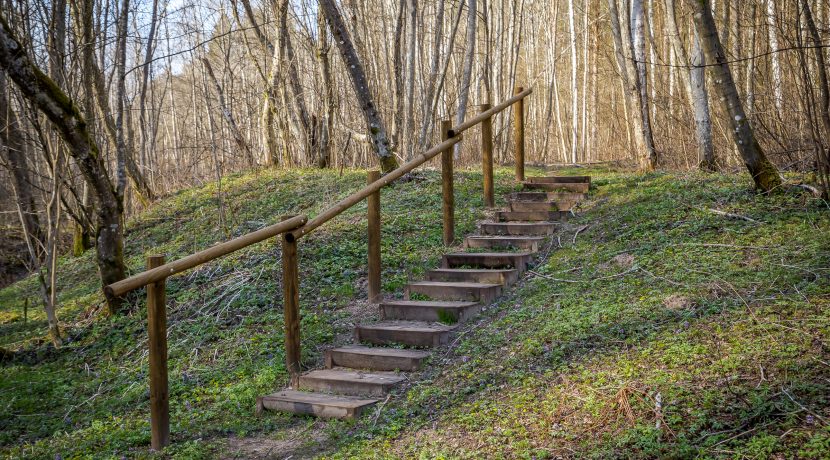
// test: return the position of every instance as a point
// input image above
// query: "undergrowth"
(225, 320)
(654, 326)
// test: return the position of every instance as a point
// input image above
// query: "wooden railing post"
(291, 307)
(157, 331)
(519, 125)
(487, 157)
(446, 186)
(373, 205)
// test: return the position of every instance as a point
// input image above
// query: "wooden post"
(373, 204)
(519, 125)
(291, 307)
(446, 186)
(157, 331)
(487, 157)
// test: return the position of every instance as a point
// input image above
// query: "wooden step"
(318, 404)
(518, 228)
(414, 333)
(553, 187)
(349, 382)
(552, 205)
(375, 358)
(449, 290)
(430, 311)
(530, 243)
(503, 276)
(560, 179)
(517, 260)
(547, 196)
(533, 216)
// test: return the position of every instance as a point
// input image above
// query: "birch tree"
(763, 172)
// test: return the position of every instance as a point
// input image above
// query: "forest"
(662, 165)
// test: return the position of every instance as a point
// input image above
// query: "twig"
(577, 233)
(380, 408)
(730, 215)
(633, 268)
(786, 392)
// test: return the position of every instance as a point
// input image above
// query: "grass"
(90, 398)
(658, 329)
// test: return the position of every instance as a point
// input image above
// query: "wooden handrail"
(454, 135)
(456, 130)
(356, 197)
(124, 286)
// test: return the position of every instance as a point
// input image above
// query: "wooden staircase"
(356, 376)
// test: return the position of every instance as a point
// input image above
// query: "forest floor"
(654, 326)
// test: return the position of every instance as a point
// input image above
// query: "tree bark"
(694, 82)
(823, 159)
(638, 50)
(374, 123)
(14, 152)
(325, 124)
(763, 172)
(625, 67)
(42, 92)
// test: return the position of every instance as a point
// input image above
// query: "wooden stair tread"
(317, 404)
(347, 375)
(459, 284)
(507, 237)
(560, 179)
(375, 358)
(430, 303)
(490, 254)
(383, 351)
(415, 326)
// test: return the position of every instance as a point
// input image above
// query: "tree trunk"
(763, 172)
(238, 138)
(700, 105)
(574, 95)
(627, 72)
(374, 123)
(325, 124)
(467, 67)
(823, 160)
(42, 92)
(14, 147)
(638, 50)
(694, 82)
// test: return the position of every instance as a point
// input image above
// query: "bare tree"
(42, 92)
(374, 123)
(763, 172)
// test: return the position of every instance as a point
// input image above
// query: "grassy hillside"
(225, 318)
(653, 327)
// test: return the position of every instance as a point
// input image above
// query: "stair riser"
(318, 410)
(484, 295)
(503, 278)
(531, 206)
(548, 196)
(504, 261)
(529, 245)
(458, 315)
(560, 179)
(578, 187)
(376, 363)
(412, 338)
(516, 230)
(533, 216)
(350, 388)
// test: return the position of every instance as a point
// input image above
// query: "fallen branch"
(730, 215)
